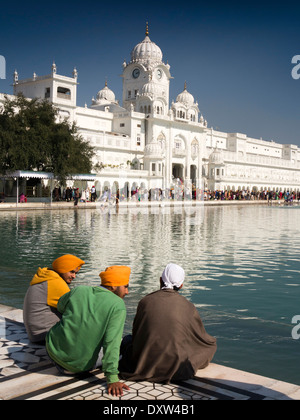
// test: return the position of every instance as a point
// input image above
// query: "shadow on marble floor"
(18, 357)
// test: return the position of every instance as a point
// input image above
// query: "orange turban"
(117, 275)
(66, 263)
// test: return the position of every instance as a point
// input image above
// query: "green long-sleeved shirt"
(93, 317)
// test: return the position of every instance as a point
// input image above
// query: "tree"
(33, 138)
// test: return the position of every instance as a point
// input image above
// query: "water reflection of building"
(149, 143)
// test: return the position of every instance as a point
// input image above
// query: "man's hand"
(116, 389)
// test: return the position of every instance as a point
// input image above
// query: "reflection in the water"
(242, 268)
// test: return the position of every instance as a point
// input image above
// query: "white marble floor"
(26, 373)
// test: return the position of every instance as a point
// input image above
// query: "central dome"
(146, 51)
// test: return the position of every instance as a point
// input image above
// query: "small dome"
(185, 98)
(154, 150)
(216, 157)
(149, 88)
(146, 51)
(105, 95)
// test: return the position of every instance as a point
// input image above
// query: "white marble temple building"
(149, 143)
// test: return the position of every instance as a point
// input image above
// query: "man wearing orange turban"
(92, 319)
(67, 267)
(47, 286)
(116, 279)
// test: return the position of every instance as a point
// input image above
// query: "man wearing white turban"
(169, 341)
(172, 277)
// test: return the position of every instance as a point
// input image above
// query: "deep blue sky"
(235, 56)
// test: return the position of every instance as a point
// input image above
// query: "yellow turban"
(117, 275)
(66, 263)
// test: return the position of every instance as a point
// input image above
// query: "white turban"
(173, 275)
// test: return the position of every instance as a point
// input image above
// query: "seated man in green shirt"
(92, 318)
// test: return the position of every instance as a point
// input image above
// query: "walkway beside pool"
(26, 373)
(151, 207)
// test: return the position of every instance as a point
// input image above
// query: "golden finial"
(185, 85)
(147, 29)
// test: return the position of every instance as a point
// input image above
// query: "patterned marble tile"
(26, 373)
(15, 349)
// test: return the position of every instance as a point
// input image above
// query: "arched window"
(195, 147)
(178, 144)
(63, 92)
(161, 140)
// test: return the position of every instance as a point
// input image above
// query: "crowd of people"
(252, 195)
(176, 193)
(74, 194)
(82, 328)
(196, 194)
(181, 192)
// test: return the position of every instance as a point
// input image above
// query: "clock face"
(135, 73)
(159, 74)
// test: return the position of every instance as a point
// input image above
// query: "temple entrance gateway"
(178, 171)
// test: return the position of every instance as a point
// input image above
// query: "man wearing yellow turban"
(116, 279)
(92, 319)
(47, 286)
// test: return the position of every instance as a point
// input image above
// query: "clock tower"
(146, 79)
